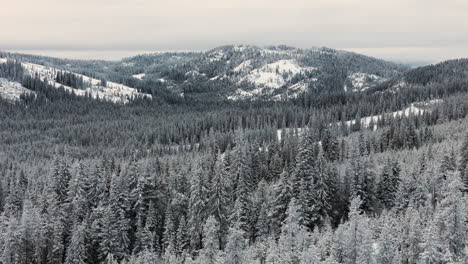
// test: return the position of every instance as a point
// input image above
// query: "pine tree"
(303, 180)
(282, 196)
(60, 179)
(197, 210)
(362, 174)
(356, 247)
(388, 247)
(294, 237)
(8, 253)
(76, 251)
(410, 236)
(209, 254)
(77, 197)
(464, 161)
(321, 192)
(389, 184)
(151, 225)
(235, 247)
(450, 217)
(57, 250)
(169, 236)
(218, 197)
(432, 248)
(143, 237)
(310, 256)
(183, 241)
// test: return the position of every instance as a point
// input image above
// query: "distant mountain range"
(234, 73)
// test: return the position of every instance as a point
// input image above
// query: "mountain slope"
(447, 74)
(250, 72)
(227, 73)
(94, 88)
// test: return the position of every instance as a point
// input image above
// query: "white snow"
(113, 92)
(240, 48)
(139, 76)
(194, 73)
(12, 90)
(3, 60)
(360, 81)
(266, 79)
(279, 132)
(128, 64)
(216, 55)
(268, 51)
(241, 94)
(276, 74)
(415, 109)
(243, 66)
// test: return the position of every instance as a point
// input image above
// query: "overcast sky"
(401, 30)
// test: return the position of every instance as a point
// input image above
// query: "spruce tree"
(76, 251)
(209, 254)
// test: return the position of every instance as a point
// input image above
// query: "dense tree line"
(69, 79)
(87, 181)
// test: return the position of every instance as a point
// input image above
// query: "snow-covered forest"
(374, 175)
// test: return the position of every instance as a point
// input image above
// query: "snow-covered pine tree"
(451, 218)
(389, 184)
(218, 200)
(76, 251)
(432, 246)
(197, 208)
(322, 197)
(282, 196)
(235, 246)
(294, 238)
(464, 161)
(210, 252)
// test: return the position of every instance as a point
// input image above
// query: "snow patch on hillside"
(361, 81)
(416, 109)
(139, 76)
(245, 65)
(113, 92)
(275, 75)
(12, 91)
(216, 56)
(192, 74)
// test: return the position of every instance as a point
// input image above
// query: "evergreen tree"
(389, 184)
(450, 218)
(294, 236)
(282, 196)
(76, 251)
(218, 197)
(322, 198)
(235, 247)
(432, 248)
(209, 254)
(197, 209)
(464, 161)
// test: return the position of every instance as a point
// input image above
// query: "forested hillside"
(374, 173)
(234, 72)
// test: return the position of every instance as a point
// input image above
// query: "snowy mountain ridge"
(113, 92)
(12, 91)
(236, 72)
(244, 72)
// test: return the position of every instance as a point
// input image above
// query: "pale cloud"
(201, 24)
